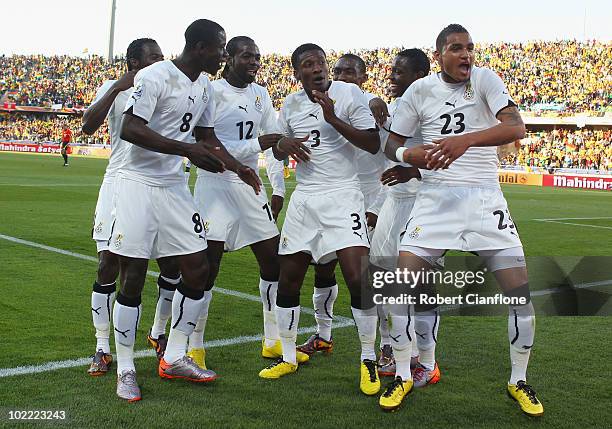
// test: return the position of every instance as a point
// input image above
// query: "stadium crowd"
(575, 76)
(582, 149)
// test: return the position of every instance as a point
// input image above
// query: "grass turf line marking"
(575, 224)
(73, 363)
(230, 292)
(572, 218)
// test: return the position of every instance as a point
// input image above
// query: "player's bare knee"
(108, 267)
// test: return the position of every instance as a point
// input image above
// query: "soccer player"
(155, 214)
(464, 111)
(66, 137)
(350, 68)
(325, 123)
(408, 66)
(110, 102)
(235, 217)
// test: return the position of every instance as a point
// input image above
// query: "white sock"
(323, 300)
(366, 321)
(426, 324)
(163, 310)
(126, 321)
(196, 338)
(101, 310)
(287, 320)
(185, 314)
(383, 326)
(521, 333)
(401, 343)
(267, 291)
(415, 339)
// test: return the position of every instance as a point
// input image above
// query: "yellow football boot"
(277, 369)
(198, 356)
(524, 394)
(394, 394)
(369, 382)
(276, 351)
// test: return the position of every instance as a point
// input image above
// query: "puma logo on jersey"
(395, 338)
(314, 116)
(420, 335)
(360, 235)
(192, 99)
(96, 310)
(123, 332)
(448, 103)
(243, 108)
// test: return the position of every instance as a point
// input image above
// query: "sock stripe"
(136, 324)
(268, 297)
(180, 313)
(325, 304)
(515, 327)
(108, 306)
(292, 319)
(433, 329)
(408, 327)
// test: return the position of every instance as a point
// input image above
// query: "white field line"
(230, 292)
(72, 363)
(575, 224)
(572, 218)
(340, 321)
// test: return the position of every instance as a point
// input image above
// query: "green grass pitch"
(45, 317)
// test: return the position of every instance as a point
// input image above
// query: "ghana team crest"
(469, 92)
(258, 105)
(98, 228)
(118, 241)
(415, 233)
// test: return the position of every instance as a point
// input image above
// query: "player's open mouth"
(465, 67)
(319, 79)
(252, 72)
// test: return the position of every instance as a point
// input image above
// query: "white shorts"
(233, 213)
(103, 219)
(392, 219)
(460, 218)
(321, 224)
(155, 221)
(370, 192)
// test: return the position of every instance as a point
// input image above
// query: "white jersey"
(370, 167)
(173, 106)
(442, 109)
(114, 116)
(410, 188)
(241, 116)
(332, 157)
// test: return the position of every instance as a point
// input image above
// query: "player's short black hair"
(134, 50)
(202, 30)
(232, 45)
(360, 62)
(295, 57)
(232, 48)
(419, 62)
(447, 31)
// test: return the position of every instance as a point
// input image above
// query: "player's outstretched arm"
(367, 140)
(208, 139)
(414, 156)
(510, 129)
(135, 130)
(95, 114)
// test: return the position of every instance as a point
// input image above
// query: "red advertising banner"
(578, 182)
